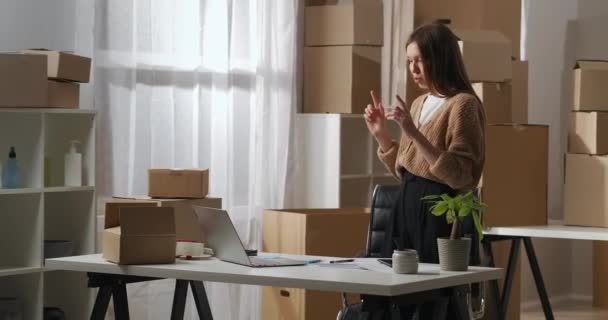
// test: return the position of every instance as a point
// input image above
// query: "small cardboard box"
(186, 227)
(63, 94)
(138, 234)
(322, 232)
(588, 132)
(519, 92)
(486, 55)
(357, 23)
(338, 79)
(515, 178)
(178, 183)
(496, 99)
(590, 83)
(502, 16)
(65, 66)
(23, 81)
(585, 201)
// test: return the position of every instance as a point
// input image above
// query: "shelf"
(13, 271)
(27, 288)
(68, 189)
(20, 191)
(47, 110)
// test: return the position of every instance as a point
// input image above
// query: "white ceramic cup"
(405, 261)
(189, 248)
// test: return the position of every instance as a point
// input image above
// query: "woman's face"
(414, 61)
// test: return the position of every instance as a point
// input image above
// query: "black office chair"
(383, 200)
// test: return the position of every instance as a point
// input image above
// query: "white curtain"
(194, 83)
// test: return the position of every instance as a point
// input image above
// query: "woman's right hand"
(374, 116)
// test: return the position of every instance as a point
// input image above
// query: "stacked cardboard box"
(42, 78)
(342, 54)
(585, 198)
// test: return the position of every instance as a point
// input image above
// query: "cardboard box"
(515, 178)
(519, 91)
(323, 232)
(138, 234)
(178, 183)
(357, 23)
(186, 227)
(585, 200)
(600, 277)
(496, 99)
(502, 16)
(65, 66)
(338, 79)
(63, 94)
(590, 83)
(486, 55)
(23, 81)
(588, 132)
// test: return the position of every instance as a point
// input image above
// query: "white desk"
(525, 233)
(377, 279)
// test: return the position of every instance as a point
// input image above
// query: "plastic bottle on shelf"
(73, 166)
(10, 177)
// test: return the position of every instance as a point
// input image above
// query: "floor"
(575, 310)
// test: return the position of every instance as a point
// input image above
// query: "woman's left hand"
(401, 114)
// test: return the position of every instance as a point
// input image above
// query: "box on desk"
(585, 201)
(356, 23)
(186, 227)
(514, 184)
(338, 79)
(496, 100)
(178, 183)
(324, 232)
(138, 233)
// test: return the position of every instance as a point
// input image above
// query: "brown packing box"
(496, 99)
(600, 277)
(186, 227)
(338, 79)
(588, 132)
(502, 16)
(65, 66)
(138, 234)
(23, 81)
(178, 183)
(323, 232)
(590, 83)
(486, 55)
(519, 91)
(585, 200)
(515, 178)
(357, 23)
(63, 94)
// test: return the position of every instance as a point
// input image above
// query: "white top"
(552, 231)
(375, 279)
(429, 107)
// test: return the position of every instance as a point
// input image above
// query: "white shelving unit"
(337, 165)
(42, 208)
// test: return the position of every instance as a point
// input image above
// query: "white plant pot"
(454, 254)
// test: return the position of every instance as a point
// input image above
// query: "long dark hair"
(444, 69)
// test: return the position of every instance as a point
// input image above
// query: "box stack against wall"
(42, 78)
(585, 200)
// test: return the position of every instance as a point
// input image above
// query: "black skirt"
(413, 225)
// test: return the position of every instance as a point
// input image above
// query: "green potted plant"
(454, 251)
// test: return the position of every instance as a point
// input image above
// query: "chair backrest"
(383, 200)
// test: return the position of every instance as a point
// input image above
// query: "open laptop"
(226, 244)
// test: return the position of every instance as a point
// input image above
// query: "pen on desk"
(340, 261)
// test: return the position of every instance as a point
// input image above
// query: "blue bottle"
(11, 171)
